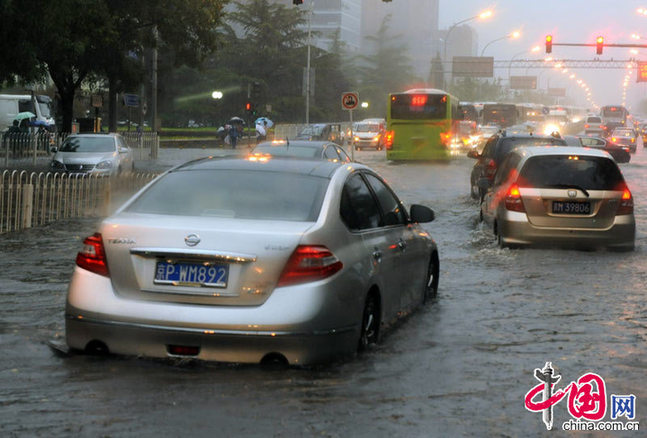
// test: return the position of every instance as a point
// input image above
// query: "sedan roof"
(295, 143)
(321, 168)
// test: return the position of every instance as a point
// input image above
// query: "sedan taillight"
(626, 203)
(309, 263)
(93, 256)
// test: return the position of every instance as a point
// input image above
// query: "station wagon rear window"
(590, 173)
(242, 194)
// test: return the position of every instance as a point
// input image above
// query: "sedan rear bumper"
(305, 323)
(249, 346)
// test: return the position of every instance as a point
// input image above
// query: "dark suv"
(495, 150)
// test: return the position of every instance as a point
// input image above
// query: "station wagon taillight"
(626, 203)
(309, 263)
(93, 256)
(513, 201)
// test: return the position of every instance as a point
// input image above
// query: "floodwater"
(460, 366)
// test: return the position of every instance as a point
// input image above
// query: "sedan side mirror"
(54, 150)
(123, 150)
(473, 154)
(421, 214)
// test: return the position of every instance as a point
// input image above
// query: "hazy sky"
(569, 21)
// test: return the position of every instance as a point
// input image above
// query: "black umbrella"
(236, 120)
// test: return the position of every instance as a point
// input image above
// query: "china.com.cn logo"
(587, 402)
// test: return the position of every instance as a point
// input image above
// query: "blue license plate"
(191, 274)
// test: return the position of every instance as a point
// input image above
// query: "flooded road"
(461, 366)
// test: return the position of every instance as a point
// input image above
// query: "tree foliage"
(387, 70)
(72, 39)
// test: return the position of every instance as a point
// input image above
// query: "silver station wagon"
(252, 260)
(564, 196)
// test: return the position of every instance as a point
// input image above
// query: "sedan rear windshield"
(289, 151)
(243, 194)
(563, 171)
(593, 120)
(88, 144)
(507, 144)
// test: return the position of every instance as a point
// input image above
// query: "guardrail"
(29, 199)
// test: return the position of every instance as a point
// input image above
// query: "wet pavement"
(460, 366)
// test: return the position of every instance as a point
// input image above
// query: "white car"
(106, 154)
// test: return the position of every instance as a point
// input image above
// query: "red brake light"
(626, 203)
(93, 256)
(513, 199)
(490, 169)
(309, 263)
(389, 139)
(586, 125)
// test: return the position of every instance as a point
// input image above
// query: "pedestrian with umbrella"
(235, 130)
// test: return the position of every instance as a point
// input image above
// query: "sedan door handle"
(377, 256)
(402, 244)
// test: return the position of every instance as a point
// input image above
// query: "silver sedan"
(104, 154)
(252, 260)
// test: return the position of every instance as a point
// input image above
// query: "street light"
(513, 35)
(216, 95)
(533, 50)
(482, 16)
(364, 105)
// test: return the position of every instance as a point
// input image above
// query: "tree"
(71, 39)
(269, 51)
(387, 70)
(331, 81)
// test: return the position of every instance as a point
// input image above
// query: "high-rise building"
(330, 17)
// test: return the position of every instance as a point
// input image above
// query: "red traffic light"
(549, 43)
(599, 45)
(248, 106)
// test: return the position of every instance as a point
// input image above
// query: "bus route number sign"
(349, 100)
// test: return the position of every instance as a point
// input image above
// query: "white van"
(369, 133)
(12, 104)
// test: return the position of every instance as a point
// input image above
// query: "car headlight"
(356, 138)
(57, 165)
(104, 165)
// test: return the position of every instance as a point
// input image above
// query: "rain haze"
(571, 21)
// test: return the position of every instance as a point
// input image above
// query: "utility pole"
(154, 116)
(308, 63)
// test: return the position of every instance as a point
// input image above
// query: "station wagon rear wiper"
(569, 186)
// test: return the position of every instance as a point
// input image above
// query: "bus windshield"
(408, 106)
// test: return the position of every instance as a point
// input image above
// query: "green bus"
(420, 124)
